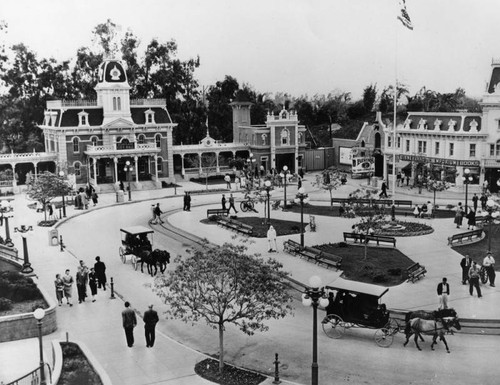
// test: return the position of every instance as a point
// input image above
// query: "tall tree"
(224, 285)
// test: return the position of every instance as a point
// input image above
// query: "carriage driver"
(443, 291)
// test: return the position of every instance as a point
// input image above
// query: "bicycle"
(247, 205)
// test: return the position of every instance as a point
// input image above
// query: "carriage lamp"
(39, 314)
(24, 233)
(6, 212)
(268, 187)
(283, 175)
(492, 215)
(301, 198)
(313, 296)
(127, 169)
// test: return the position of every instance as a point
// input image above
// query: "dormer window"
(83, 118)
(150, 116)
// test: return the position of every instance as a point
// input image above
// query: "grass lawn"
(477, 251)
(260, 227)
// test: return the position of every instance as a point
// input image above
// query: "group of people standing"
(231, 203)
(471, 272)
(95, 277)
(84, 196)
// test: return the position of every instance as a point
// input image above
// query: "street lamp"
(6, 211)
(250, 163)
(39, 314)
(24, 230)
(490, 205)
(467, 179)
(283, 175)
(127, 169)
(313, 296)
(61, 174)
(268, 186)
(301, 197)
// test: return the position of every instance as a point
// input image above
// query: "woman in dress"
(459, 215)
(68, 287)
(59, 285)
(93, 283)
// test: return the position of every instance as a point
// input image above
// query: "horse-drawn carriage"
(357, 304)
(137, 245)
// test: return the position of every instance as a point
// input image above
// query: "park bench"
(9, 252)
(218, 212)
(235, 225)
(291, 247)
(459, 238)
(310, 253)
(480, 221)
(386, 202)
(355, 237)
(381, 239)
(415, 272)
(329, 260)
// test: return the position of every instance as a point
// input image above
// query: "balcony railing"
(71, 103)
(27, 156)
(148, 102)
(119, 147)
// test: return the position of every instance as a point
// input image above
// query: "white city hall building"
(447, 145)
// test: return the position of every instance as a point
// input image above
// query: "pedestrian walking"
(129, 322)
(489, 264)
(93, 283)
(459, 215)
(82, 276)
(475, 198)
(271, 239)
(68, 287)
(94, 197)
(443, 291)
(227, 179)
(59, 285)
(465, 264)
(383, 193)
(483, 201)
(187, 201)
(185, 198)
(474, 279)
(407, 180)
(158, 213)
(471, 219)
(100, 273)
(231, 203)
(150, 321)
(223, 202)
(153, 215)
(398, 179)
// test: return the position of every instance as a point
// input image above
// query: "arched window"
(94, 140)
(159, 163)
(141, 139)
(76, 145)
(78, 168)
(285, 137)
(114, 104)
(377, 140)
(124, 141)
(158, 140)
(118, 104)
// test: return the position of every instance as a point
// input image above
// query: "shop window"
(472, 150)
(76, 145)
(452, 149)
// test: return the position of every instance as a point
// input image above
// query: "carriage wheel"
(384, 337)
(243, 206)
(250, 206)
(334, 327)
(484, 275)
(134, 262)
(122, 254)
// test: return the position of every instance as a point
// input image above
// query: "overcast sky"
(294, 46)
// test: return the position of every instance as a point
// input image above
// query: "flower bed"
(209, 369)
(397, 228)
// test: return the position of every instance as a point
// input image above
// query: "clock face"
(114, 72)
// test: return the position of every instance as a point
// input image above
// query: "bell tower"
(241, 117)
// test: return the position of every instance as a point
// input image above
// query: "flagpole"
(394, 138)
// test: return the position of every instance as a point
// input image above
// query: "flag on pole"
(404, 17)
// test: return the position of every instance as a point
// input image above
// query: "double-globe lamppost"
(314, 296)
(283, 176)
(467, 180)
(62, 175)
(6, 211)
(492, 215)
(39, 314)
(250, 166)
(268, 188)
(127, 169)
(301, 198)
(24, 233)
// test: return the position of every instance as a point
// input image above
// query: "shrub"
(214, 218)
(396, 271)
(380, 278)
(18, 288)
(5, 304)
(76, 368)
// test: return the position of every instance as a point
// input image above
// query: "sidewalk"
(99, 323)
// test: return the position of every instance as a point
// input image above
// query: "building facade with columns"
(451, 146)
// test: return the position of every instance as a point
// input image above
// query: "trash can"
(374, 181)
(53, 237)
(119, 196)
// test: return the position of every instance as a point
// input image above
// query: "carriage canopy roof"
(136, 230)
(357, 287)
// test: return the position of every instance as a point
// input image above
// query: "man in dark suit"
(150, 321)
(443, 291)
(465, 264)
(100, 273)
(129, 323)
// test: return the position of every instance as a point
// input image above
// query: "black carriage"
(358, 304)
(136, 240)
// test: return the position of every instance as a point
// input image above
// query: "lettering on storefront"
(448, 162)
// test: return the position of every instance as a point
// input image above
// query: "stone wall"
(21, 326)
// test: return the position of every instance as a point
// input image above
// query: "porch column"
(115, 161)
(199, 158)
(35, 166)
(94, 160)
(14, 182)
(136, 162)
(217, 168)
(156, 167)
(183, 171)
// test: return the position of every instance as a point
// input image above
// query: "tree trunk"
(221, 348)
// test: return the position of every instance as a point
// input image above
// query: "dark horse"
(429, 315)
(153, 259)
(436, 328)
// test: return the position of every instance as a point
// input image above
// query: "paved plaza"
(180, 346)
